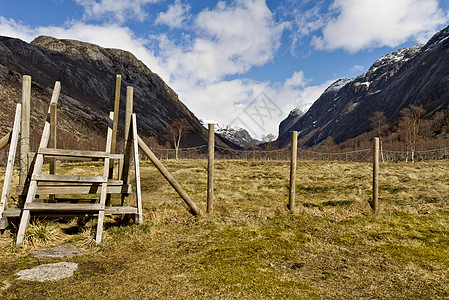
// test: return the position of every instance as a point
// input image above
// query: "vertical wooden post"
(52, 142)
(210, 169)
(375, 174)
(25, 129)
(137, 170)
(291, 200)
(124, 170)
(118, 81)
(129, 110)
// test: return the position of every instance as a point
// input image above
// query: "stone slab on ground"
(48, 272)
(59, 251)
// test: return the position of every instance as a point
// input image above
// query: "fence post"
(374, 205)
(52, 142)
(124, 166)
(291, 200)
(118, 81)
(210, 169)
(25, 128)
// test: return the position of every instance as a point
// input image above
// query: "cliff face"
(87, 74)
(411, 76)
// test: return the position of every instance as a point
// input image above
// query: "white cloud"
(232, 102)
(11, 28)
(357, 69)
(376, 23)
(115, 10)
(229, 39)
(175, 15)
(297, 80)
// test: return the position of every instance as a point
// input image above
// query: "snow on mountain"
(236, 135)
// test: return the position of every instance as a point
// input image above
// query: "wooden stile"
(53, 184)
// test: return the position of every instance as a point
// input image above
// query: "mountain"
(410, 76)
(238, 136)
(87, 74)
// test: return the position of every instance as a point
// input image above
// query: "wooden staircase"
(38, 183)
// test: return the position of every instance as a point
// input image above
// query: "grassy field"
(331, 247)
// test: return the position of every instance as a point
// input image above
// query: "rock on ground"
(48, 272)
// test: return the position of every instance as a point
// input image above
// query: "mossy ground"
(251, 247)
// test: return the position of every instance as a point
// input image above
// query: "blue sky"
(245, 63)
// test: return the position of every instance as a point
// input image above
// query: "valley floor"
(251, 247)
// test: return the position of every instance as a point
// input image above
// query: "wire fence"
(221, 153)
(364, 155)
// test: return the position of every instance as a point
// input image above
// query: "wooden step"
(67, 188)
(69, 178)
(120, 210)
(63, 207)
(72, 153)
(108, 210)
(77, 153)
(93, 188)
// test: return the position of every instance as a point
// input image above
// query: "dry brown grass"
(332, 246)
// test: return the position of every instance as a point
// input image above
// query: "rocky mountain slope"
(238, 136)
(411, 76)
(87, 74)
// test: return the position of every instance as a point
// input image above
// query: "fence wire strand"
(364, 155)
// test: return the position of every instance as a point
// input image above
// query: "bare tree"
(409, 128)
(267, 139)
(380, 125)
(175, 131)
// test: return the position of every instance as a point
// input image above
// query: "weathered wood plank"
(108, 210)
(52, 141)
(137, 170)
(69, 178)
(82, 189)
(34, 206)
(127, 150)
(25, 128)
(10, 165)
(119, 210)
(118, 81)
(4, 141)
(72, 153)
